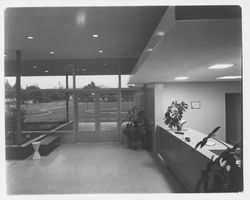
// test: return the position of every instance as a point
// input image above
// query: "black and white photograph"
(124, 100)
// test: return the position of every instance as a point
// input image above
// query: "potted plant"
(174, 114)
(128, 127)
(12, 136)
(143, 131)
(137, 129)
(223, 174)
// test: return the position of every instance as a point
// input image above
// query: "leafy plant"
(174, 114)
(225, 172)
(137, 128)
(204, 141)
(128, 127)
(11, 122)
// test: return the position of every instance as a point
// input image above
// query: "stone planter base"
(20, 152)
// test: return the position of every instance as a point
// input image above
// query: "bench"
(48, 144)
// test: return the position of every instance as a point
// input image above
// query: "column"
(119, 103)
(18, 91)
(67, 100)
(75, 106)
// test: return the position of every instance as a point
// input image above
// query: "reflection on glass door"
(87, 117)
(108, 117)
(97, 117)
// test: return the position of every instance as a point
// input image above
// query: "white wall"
(211, 97)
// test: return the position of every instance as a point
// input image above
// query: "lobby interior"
(97, 63)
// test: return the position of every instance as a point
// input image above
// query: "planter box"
(48, 144)
(20, 152)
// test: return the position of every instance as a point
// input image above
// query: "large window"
(59, 82)
(125, 81)
(128, 101)
(45, 82)
(47, 105)
(10, 81)
(10, 90)
(46, 110)
(97, 81)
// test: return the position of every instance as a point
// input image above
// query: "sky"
(49, 82)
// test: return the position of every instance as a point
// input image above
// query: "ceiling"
(189, 46)
(191, 39)
(67, 31)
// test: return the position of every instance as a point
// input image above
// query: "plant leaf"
(203, 142)
(214, 131)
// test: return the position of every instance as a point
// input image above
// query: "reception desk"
(180, 155)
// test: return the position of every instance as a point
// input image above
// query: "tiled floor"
(90, 168)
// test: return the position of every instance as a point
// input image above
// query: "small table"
(36, 154)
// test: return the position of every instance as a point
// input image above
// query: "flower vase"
(179, 127)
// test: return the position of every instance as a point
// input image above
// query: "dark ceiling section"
(123, 35)
(64, 67)
(207, 12)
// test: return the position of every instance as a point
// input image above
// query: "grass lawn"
(56, 111)
(41, 108)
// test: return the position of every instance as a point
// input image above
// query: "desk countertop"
(195, 137)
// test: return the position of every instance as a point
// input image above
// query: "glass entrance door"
(97, 117)
(108, 117)
(86, 129)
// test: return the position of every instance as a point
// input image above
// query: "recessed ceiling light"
(160, 33)
(46, 71)
(181, 78)
(150, 50)
(30, 37)
(84, 70)
(34, 66)
(100, 51)
(220, 66)
(229, 77)
(81, 19)
(52, 52)
(95, 36)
